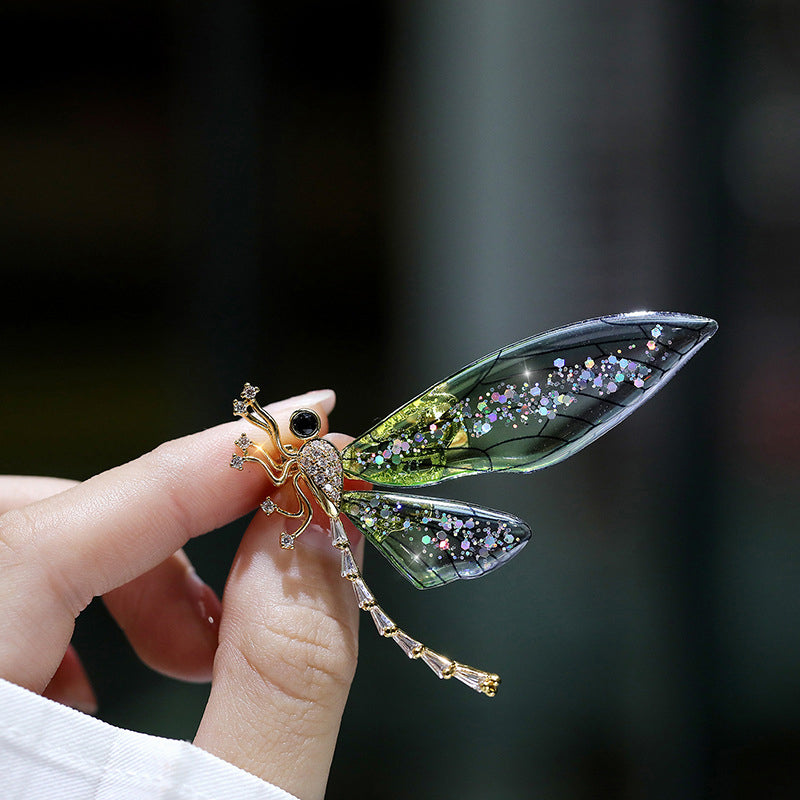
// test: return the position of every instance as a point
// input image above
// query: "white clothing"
(50, 751)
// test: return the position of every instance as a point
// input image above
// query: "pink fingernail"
(205, 601)
(324, 397)
(88, 706)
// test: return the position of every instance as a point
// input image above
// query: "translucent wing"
(531, 404)
(433, 542)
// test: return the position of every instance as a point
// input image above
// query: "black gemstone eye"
(304, 424)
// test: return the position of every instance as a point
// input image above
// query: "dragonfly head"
(305, 424)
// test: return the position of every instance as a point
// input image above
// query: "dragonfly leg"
(304, 511)
(305, 506)
(278, 474)
(249, 408)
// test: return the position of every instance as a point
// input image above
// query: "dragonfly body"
(519, 409)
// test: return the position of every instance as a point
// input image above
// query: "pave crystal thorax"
(321, 462)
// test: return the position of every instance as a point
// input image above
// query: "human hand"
(281, 648)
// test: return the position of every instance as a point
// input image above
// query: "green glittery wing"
(531, 404)
(432, 541)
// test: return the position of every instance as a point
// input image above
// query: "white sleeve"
(50, 751)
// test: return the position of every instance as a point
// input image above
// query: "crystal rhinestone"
(364, 596)
(243, 442)
(439, 664)
(338, 536)
(304, 424)
(240, 407)
(287, 541)
(408, 645)
(268, 506)
(474, 678)
(249, 392)
(237, 462)
(349, 568)
(382, 622)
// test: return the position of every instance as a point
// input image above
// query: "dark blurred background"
(369, 195)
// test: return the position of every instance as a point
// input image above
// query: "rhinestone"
(237, 462)
(268, 506)
(349, 568)
(411, 647)
(249, 392)
(287, 541)
(471, 677)
(382, 622)
(243, 442)
(439, 664)
(240, 407)
(363, 595)
(338, 535)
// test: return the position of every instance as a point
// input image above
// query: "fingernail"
(205, 602)
(323, 397)
(83, 697)
(88, 706)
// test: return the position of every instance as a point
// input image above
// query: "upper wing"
(531, 404)
(433, 541)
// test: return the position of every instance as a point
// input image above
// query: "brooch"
(522, 408)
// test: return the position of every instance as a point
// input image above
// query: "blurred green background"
(367, 196)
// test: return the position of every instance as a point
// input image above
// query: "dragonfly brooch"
(522, 408)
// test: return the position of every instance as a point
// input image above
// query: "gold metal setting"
(305, 468)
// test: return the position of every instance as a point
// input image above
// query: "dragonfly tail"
(483, 682)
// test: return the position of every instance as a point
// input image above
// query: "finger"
(286, 658)
(70, 685)
(19, 490)
(339, 440)
(169, 615)
(171, 619)
(60, 552)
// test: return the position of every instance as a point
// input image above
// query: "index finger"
(57, 554)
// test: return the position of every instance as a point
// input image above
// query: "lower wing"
(432, 541)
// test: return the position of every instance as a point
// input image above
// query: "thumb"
(287, 652)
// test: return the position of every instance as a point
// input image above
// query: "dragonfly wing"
(531, 404)
(433, 542)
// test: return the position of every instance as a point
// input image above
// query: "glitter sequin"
(434, 542)
(531, 404)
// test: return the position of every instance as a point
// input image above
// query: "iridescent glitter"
(434, 542)
(512, 405)
(529, 405)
